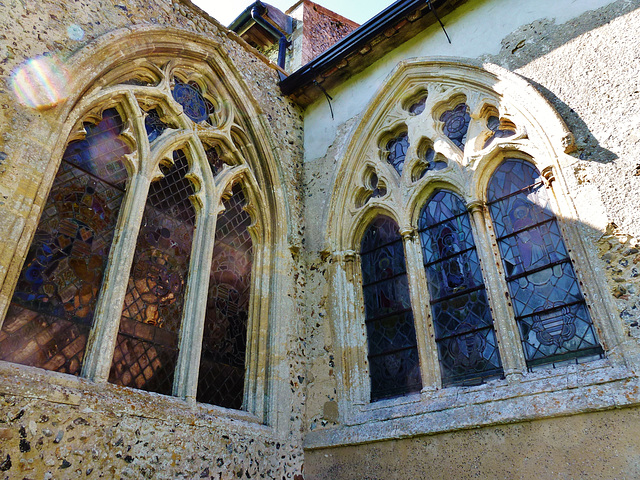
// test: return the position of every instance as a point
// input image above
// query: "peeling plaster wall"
(56, 426)
(584, 59)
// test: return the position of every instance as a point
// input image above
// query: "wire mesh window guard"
(393, 354)
(222, 364)
(550, 310)
(465, 336)
(52, 309)
(147, 344)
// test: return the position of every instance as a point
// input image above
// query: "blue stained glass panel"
(461, 313)
(393, 355)
(493, 124)
(453, 275)
(469, 358)
(154, 125)
(189, 95)
(456, 124)
(398, 151)
(550, 310)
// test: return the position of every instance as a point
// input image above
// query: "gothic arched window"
(53, 305)
(462, 318)
(222, 364)
(393, 353)
(550, 310)
(125, 280)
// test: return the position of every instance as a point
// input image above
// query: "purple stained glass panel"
(147, 345)
(222, 364)
(53, 306)
(461, 315)
(393, 355)
(550, 310)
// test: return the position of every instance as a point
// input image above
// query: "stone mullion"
(418, 289)
(102, 340)
(185, 382)
(508, 336)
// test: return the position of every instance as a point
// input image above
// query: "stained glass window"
(550, 310)
(393, 354)
(418, 106)
(190, 96)
(456, 124)
(215, 161)
(53, 306)
(499, 131)
(398, 151)
(464, 330)
(222, 364)
(154, 125)
(147, 343)
(377, 188)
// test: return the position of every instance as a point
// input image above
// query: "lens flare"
(40, 82)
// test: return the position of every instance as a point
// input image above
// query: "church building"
(299, 248)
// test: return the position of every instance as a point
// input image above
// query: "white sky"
(226, 11)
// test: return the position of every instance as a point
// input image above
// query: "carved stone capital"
(548, 175)
(477, 206)
(408, 233)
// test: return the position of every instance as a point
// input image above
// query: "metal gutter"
(353, 42)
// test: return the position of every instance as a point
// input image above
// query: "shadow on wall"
(584, 71)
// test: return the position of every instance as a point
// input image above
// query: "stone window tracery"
(478, 304)
(124, 299)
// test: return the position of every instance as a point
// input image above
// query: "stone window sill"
(88, 396)
(552, 392)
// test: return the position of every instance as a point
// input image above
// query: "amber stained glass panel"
(52, 309)
(147, 343)
(393, 354)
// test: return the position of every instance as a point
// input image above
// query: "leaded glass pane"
(195, 105)
(222, 364)
(398, 151)
(493, 124)
(215, 161)
(154, 125)
(52, 309)
(418, 106)
(147, 343)
(469, 358)
(393, 355)
(461, 314)
(432, 162)
(550, 310)
(456, 124)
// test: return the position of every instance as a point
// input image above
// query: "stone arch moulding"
(462, 118)
(490, 84)
(96, 87)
